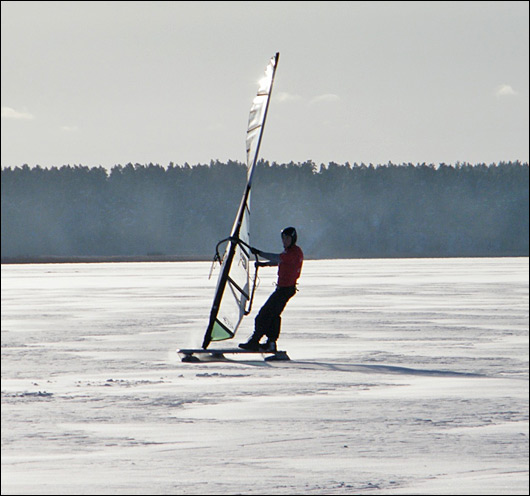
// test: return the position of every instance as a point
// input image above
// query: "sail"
(235, 287)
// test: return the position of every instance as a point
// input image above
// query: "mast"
(259, 127)
(256, 125)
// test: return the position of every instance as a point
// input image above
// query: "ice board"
(188, 354)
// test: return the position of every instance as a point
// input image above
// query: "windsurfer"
(268, 321)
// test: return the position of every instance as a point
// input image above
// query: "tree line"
(339, 210)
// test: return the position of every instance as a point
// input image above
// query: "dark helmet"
(290, 231)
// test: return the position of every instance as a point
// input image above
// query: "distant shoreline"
(198, 258)
(103, 259)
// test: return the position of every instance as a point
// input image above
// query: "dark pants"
(268, 320)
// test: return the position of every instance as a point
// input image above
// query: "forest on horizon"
(339, 210)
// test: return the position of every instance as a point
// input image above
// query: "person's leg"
(273, 330)
(261, 323)
(265, 318)
(268, 320)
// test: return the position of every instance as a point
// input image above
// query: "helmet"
(290, 231)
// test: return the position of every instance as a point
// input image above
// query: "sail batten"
(229, 307)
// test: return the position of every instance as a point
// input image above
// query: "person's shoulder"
(298, 250)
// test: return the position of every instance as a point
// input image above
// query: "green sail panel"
(219, 333)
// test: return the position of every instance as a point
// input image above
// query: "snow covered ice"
(407, 377)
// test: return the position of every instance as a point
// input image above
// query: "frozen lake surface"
(407, 377)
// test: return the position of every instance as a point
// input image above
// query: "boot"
(269, 346)
(251, 345)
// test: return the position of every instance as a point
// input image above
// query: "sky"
(107, 83)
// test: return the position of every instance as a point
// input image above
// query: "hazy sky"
(105, 83)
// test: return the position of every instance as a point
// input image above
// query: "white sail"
(234, 289)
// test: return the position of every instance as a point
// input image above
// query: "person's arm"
(273, 258)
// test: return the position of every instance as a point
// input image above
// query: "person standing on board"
(268, 321)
